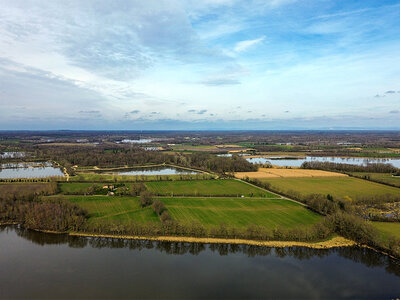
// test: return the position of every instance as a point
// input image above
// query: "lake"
(296, 162)
(39, 265)
(153, 171)
(29, 170)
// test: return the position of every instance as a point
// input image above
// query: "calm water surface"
(154, 171)
(21, 170)
(38, 265)
(343, 160)
(140, 141)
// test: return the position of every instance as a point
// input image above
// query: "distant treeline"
(337, 167)
(70, 156)
(27, 190)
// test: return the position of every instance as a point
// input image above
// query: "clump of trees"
(54, 215)
(27, 190)
(160, 209)
(338, 167)
(137, 188)
(146, 198)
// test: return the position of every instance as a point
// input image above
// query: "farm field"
(222, 187)
(380, 177)
(95, 177)
(77, 187)
(104, 209)
(287, 173)
(336, 186)
(388, 228)
(240, 212)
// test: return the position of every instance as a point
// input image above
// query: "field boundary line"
(281, 196)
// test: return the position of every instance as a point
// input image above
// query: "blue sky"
(212, 64)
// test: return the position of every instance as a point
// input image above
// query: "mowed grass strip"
(221, 187)
(336, 186)
(104, 208)
(239, 212)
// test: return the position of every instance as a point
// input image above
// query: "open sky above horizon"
(212, 64)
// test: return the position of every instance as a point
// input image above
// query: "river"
(40, 265)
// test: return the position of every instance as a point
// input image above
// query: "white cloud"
(247, 44)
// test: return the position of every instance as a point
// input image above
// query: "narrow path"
(66, 174)
(281, 196)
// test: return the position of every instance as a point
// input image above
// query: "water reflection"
(29, 172)
(38, 265)
(368, 257)
(150, 171)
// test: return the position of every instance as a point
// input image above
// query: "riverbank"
(332, 243)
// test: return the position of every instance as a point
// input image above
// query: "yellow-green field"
(222, 187)
(336, 186)
(236, 212)
(380, 177)
(388, 228)
(239, 212)
(104, 208)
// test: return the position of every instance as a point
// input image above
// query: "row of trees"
(338, 167)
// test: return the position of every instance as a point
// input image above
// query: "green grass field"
(388, 229)
(336, 186)
(75, 187)
(380, 177)
(240, 212)
(222, 187)
(104, 209)
(95, 177)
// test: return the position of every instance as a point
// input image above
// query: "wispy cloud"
(247, 44)
(97, 63)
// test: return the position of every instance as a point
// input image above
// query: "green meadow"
(104, 208)
(336, 186)
(240, 212)
(222, 187)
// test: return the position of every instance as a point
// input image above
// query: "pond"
(29, 170)
(153, 171)
(296, 162)
(39, 265)
(12, 154)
